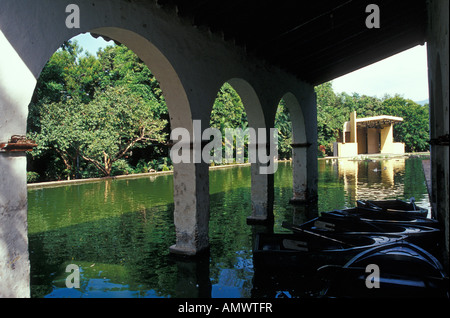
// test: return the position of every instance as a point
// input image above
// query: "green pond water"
(119, 231)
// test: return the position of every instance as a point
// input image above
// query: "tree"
(414, 130)
(92, 111)
(122, 67)
(228, 112)
(284, 125)
(330, 116)
(116, 122)
(100, 132)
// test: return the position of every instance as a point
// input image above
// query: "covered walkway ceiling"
(316, 40)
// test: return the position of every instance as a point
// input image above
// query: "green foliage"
(284, 125)
(106, 115)
(334, 110)
(32, 176)
(414, 130)
(228, 110)
(95, 109)
(330, 117)
(102, 131)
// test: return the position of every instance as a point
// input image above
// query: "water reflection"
(380, 174)
(193, 277)
(343, 181)
(119, 232)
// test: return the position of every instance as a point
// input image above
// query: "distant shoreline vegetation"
(57, 183)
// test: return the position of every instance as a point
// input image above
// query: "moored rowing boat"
(307, 251)
(393, 206)
(398, 269)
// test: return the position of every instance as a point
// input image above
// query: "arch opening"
(153, 98)
(97, 115)
(284, 125)
(237, 115)
(229, 114)
(252, 117)
(174, 93)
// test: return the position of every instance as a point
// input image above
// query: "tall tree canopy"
(414, 130)
(284, 125)
(95, 108)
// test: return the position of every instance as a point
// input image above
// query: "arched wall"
(189, 64)
(26, 56)
(261, 184)
(251, 102)
(25, 49)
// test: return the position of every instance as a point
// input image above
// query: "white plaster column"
(261, 181)
(310, 121)
(14, 260)
(16, 87)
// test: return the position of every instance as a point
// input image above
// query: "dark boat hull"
(424, 236)
(404, 270)
(304, 252)
(358, 214)
(392, 206)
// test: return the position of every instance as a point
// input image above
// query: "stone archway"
(190, 65)
(17, 82)
(261, 183)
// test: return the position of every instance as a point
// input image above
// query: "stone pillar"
(262, 189)
(299, 173)
(438, 81)
(17, 84)
(191, 213)
(14, 261)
